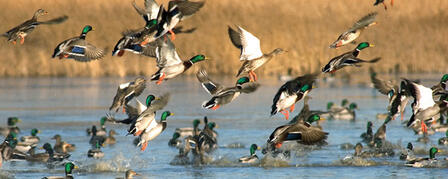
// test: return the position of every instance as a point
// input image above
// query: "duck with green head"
(11, 122)
(425, 162)
(347, 113)
(408, 153)
(8, 149)
(54, 157)
(348, 59)
(350, 35)
(169, 63)
(252, 158)
(22, 30)
(33, 139)
(154, 130)
(68, 168)
(222, 95)
(175, 141)
(368, 135)
(78, 48)
(291, 92)
(95, 152)
(251, 54)
(144, 116)
(189, 131)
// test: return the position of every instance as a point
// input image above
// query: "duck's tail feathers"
(209, 104)
(57, 20)
(374, 60)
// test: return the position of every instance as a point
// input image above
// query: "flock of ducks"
(155, 40)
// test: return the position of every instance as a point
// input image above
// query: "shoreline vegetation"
(410, 36)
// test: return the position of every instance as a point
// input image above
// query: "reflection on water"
(68, 106)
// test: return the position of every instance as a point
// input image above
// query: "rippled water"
(67, 106)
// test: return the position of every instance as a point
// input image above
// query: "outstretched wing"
(166, 54)
(383, 86)
(186, 8)
(209, 85)
(250, 45)
(364, 21)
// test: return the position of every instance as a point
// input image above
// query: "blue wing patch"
(79, 50)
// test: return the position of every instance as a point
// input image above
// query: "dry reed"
(411, 36)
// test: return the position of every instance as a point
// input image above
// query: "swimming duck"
(33, 139)
(302, 132)
(153, 130)
(368, 135)
(348, 59)
(68, 168)
(251, 52)
(78, 48)
(130, 174)
(252, 158)
(54, 157)
(96, 138)
(175, 142)
(444, 140)
(351, 34)
(347, 113)
(221, 95)
(291, 92)
(177, 11)
(169, 63)
(384, 4)
(22, 30)
(146, 114)
(360, 153)
(62, 146)
(12, 121)
(408, 154)
(8, 151)
(39, 157)
(24, 147)
(126, 92)
(424, 162)
(95, 152)
(424, 108)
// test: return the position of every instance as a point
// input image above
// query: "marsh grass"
(410, 37)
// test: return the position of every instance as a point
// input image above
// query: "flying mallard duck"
(251, 52)
(68, 168)
(424, 162)
(153, 130)
(146, 114)
(169, 63)
(221, 95)
(22, 30)
(348, 59)
(351, 34)
(291, 92)
(384, 4)
(302, 132)
(424, 108)
(126, 92)
(78, 48)
(33, 139)
(252, 158)
(11, 122)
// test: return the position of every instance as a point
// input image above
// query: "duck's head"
(87, 29)
(34, 132)
(444, 79)
(242, 80)
(198, 58)
(212, 125)
(196, 123)
(369, 125)
(130, 173)
(432, 152)
(305, 88)
(12, 121)
(47, 147)
(363, 45)
(40, 12)
(176, 135)
(103, 120)
(69, 166)
(253, 148)
(358, 149)
(313, 118)
(410, 146)
(151, 23)
(329, 105)
(149, 99)
(56, 137)
(353, 106)
(165, 114)
(344, 102)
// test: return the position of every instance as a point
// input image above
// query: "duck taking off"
(126, 92)
(351, 34)
(348, 59)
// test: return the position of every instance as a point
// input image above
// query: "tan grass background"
(412, 36)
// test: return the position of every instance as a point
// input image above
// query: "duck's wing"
(246, 42)
(185, 7)
(83, 51)
(151, 9)
(166, 54)
(119, 96)
(209, 85)
(249, 87)
(383, 86)
(161, 102)
(139, 86)
(309, 135)
(422, 95)
(140, 107)
(57, 20)
(364, 21)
